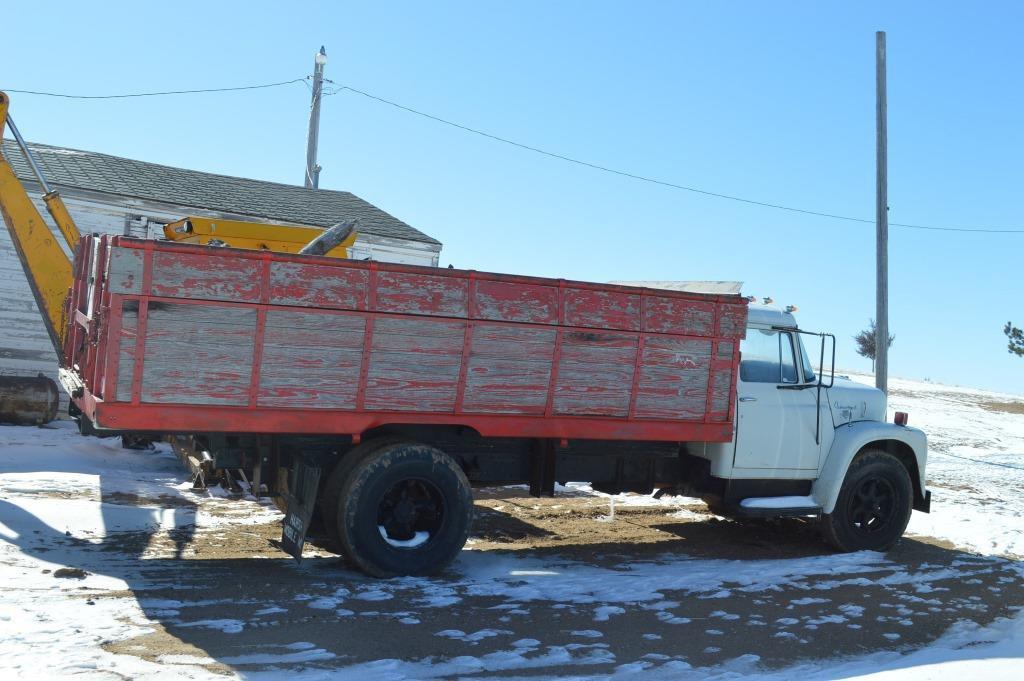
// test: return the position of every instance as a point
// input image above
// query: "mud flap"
(301, 498)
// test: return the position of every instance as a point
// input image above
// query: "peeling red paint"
(198, 338)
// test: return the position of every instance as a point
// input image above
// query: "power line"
(155, 94)
(663, 183)
(568, 159)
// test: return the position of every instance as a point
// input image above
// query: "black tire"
(874, 504)
(327, 504)
(404, 509)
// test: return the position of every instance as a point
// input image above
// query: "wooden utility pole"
(312, 179)
(882, 222)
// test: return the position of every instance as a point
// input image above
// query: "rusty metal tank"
(27, 400)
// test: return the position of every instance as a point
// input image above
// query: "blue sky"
(770, 101)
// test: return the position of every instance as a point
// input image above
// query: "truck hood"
(850, 401)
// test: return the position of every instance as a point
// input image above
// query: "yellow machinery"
(48, 267)
(250, 235)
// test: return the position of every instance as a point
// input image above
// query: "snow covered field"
(110, 567)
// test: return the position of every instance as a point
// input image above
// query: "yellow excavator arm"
(49, 272)
(47, 266)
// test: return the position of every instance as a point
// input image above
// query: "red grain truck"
(376, 394)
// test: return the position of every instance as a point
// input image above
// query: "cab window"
(768, 357)
(809, 376)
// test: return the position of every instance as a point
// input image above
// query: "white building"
(112, 195)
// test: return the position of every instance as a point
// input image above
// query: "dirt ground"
(235, 596)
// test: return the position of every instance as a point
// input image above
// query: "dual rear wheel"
(397, 507)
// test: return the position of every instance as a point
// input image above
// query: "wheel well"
(903, 452)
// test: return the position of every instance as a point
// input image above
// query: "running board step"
(778, 507)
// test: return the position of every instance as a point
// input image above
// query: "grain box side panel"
(316, 285)
(201, 276)
(422, 294)
(682, 316)
(732, 320)
(509, 369)
(595, 373)
(198, 354)
(602, 309)
(311, 360)
(512, 301)
(674, 378)
(414, 364)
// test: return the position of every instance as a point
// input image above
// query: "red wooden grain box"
(169, 337)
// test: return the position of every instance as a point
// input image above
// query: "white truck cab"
(812, 445)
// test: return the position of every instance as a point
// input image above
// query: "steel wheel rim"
(409, 508)
(872, 505)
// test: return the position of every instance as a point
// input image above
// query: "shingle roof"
(89, 170)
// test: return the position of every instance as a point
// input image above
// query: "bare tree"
(866, 342)
(1015, 338)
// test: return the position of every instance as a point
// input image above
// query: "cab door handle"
(748, 399)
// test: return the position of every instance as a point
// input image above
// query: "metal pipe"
(28, 154)
(331, 238)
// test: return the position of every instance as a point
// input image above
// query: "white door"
(776, 421)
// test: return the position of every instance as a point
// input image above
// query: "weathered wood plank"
(124, 270)
(516, 302)
(732, 321)
(422, 294)
(512, 342)
(315, 378)
(665, 314)
(673, 378)
(315, 285)
(587, 389)
(506, 386)
(414, 365)
(198, 354)
(201, 277)
(602, 309)
(311, 330)
(595, 373)
(721, 390)
(126, 350)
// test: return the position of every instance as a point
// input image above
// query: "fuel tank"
(28, 401)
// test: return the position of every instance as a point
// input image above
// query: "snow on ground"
(124, 518)
(975, 464)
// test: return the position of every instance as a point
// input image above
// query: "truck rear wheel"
(874, 504)
(404, 509)
(327, 504)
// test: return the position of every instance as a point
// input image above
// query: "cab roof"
(762, 315)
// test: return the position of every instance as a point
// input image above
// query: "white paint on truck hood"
(850, 401)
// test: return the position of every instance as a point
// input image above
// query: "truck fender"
(851, 439)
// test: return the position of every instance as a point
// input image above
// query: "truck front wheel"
(874, 504)
(404, 509)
